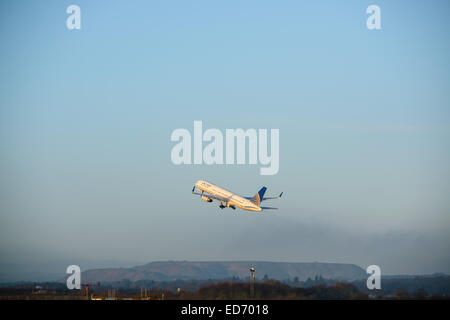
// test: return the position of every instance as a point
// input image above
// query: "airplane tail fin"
(259, 196)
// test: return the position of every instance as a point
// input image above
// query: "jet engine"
(206, 199)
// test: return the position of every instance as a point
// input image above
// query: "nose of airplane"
(198, 183)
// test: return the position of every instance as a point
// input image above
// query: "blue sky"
(86, 117)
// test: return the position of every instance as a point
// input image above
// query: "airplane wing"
(193, 192)
(210, 196)
(269, 208)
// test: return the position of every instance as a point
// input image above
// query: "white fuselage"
(231, 198)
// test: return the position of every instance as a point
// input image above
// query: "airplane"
(212, 192)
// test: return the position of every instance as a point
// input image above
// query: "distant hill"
(185, 270)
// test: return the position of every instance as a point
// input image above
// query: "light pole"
(252, 283)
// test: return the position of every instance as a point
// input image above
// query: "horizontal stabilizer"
(269, 198)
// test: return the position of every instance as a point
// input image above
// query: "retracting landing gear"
(227, 206)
